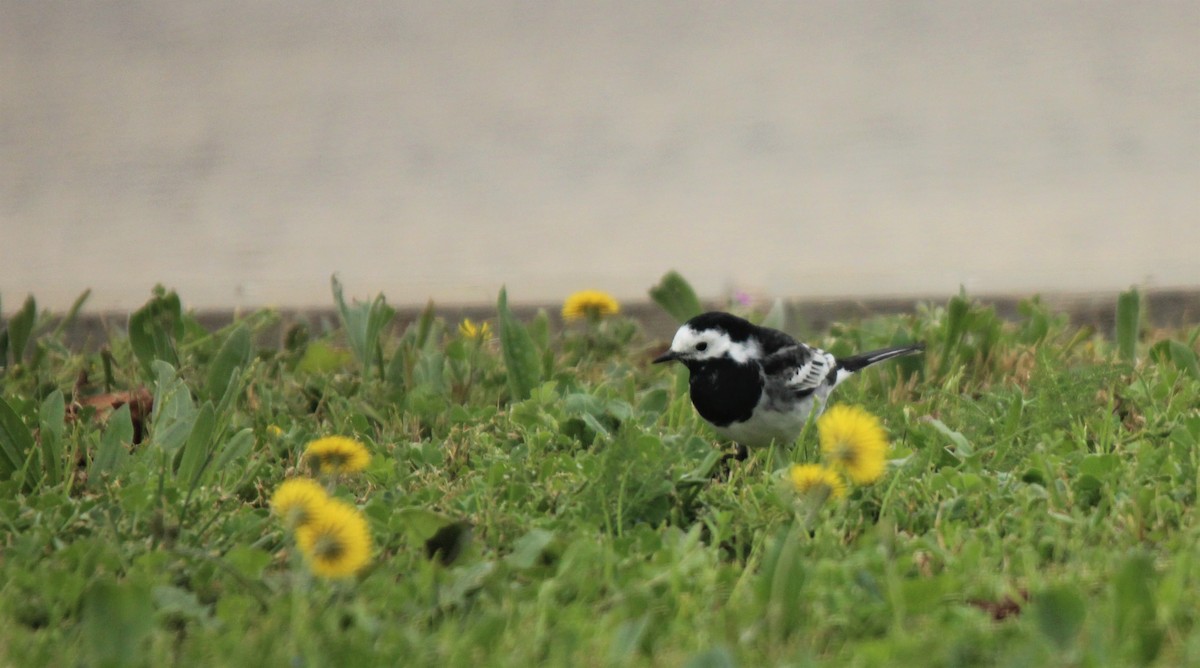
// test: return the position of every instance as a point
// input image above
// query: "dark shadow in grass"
(449, 542)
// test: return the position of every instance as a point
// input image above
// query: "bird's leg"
(739, 454)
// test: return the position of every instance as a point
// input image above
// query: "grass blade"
(1128, 324)
(72, 313)
(3, 348)
(20, 328)
(240, 445)
(198, 448)
(424, 325)
(520, 354)
(958, 311)
(52, 418)
(112, 456)
(15, 441)
(234, 353)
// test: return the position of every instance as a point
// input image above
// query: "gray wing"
(798, 369)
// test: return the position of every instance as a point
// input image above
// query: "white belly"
(782, 427)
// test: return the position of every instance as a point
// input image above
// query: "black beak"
(668, 356)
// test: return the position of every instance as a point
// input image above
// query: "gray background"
(244, 151)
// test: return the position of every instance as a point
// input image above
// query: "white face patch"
(744, 351)
(707, 344)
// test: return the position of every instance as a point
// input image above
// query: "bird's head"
(713, 336)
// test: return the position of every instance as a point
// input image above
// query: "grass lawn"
(545, 496)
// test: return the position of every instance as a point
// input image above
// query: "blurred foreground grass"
(542, 496)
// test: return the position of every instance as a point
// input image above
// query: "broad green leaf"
(464, 581)
(1134, 601)
(174, 410)
(234, 353)
(154, 329)
(198, 448)
(234, 449)
(397, 371)
(418, 524)
(52, 417)
(171, 602)
(539, 329)
(53, 413)
(15, 441)
(529, 549)
(364, 322)
(782, 581)
(1099, 466)
(354, 320)
(520, 354)
(1088, 490)
(962, 447)
(958, 312)
(703, 472)
(172, 435)
(230, 395)
(247, 560)
(429, 372)
(235, 610)
(1059, 614)
(1178, 354)
(1174, 592)
(116, 618)
(113, 455)
(924, 595)
(1133, 591)
(1128, 324)
(380, 317)
(322, 357)
(676, 296)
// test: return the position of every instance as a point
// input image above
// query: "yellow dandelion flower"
(853, 442)
(296, 501)
(591, 304)
(814, 480)
(469, 330)
(274, 430)
(337, 541)
(337, 454)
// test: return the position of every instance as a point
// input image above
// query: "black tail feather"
(857, 362)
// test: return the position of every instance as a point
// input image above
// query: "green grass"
(1040, 473)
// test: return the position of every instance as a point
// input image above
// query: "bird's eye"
(702, 346)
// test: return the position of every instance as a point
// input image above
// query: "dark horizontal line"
(1163, 308)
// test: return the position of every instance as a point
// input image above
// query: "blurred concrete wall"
(244, 151)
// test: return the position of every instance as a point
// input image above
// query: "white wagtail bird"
(754, 384)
